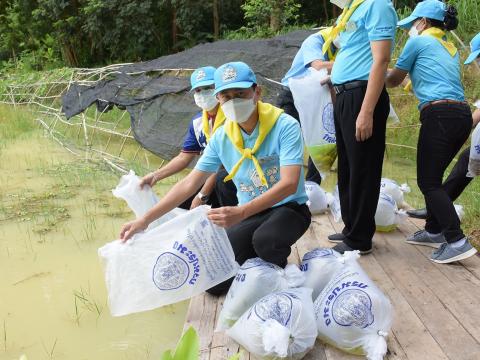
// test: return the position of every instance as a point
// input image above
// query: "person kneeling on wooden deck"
(262, 150)
(214, 192)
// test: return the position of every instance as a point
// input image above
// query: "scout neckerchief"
(219, 120)
(325, 33)
(439, 35)
(267, 117)
(342, 23)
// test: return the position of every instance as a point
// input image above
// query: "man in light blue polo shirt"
(366, 32)
(262, 150)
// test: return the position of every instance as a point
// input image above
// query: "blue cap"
(430, 9)
(475, 48)
(234, 75)
(202, 76)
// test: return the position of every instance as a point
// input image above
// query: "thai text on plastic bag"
(169, 263)
(255, 279)
(141, 200)
(279, 326)
(474, 159)
(320, 265)
(387, 216)
(318, 199)
(315, 109)
(352, 313)
(396, 191)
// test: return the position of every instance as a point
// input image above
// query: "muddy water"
(55, 212)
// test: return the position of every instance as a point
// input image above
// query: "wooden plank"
(412, 273)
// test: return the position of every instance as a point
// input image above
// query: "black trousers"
(224, 193)
(444, 129)
(359, 165)
(458, 180)
(268, 235)
(285, 102)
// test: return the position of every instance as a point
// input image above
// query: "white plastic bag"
(279, 326)
(255, 279)
(170, 263)
(391, 187)
(335, 207)
(460, 211)
(352, 313)
(392, 116)
(474, 161)
(141, 200)
(387, 216)
(319, 266)
(314, 105)
(318, 199)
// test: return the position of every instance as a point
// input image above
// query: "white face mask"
(340, 3)
(205, 99)
(238, 110)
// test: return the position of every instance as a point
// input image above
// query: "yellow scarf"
(267, 117)
(342, 23)
(325, 33)
(439, 35)
(219, 120)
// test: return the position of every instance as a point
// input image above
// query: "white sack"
(474, 160)
(318, 199)
(396, 191)
(387, 215)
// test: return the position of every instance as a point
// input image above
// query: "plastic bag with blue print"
(474, 160)
(352, 313)
(387, 215)
(167, 264)
(279, 326)
(315, 108)
(255, 279)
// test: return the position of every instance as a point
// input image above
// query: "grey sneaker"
(421, 237)
(342, 247)
(336, 238)
(447, 253)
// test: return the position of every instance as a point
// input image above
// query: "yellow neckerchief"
(439, 35)
(219, 120)
(342, 23)
(267, 117)
(325, 33)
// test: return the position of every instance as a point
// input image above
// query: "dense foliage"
(44, 34)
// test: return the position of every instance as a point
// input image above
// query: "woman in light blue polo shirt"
(446, 120)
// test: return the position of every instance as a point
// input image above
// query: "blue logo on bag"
(275, 306)
(317, 253)
(353, 308)
(327, 119)
(170, 271)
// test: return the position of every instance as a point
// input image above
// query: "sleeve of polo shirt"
(291, 144)
(312, 49)
(190, 144)
(408, 56)
(210, 161)
(381, 20)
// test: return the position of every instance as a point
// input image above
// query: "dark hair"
(450, 21)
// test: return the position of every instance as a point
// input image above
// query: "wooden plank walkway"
(437, 307)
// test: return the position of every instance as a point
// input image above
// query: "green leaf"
(167, 355)
(188, 346)
(236, 356)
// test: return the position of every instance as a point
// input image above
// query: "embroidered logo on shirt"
(229, 74)
(201, 75)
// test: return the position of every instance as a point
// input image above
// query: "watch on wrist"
(203, 198)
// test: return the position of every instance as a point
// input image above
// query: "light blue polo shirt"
(435, 74)
(310, 50)
(373, 20)
(283, 146)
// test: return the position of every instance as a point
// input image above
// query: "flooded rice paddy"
(56, 210)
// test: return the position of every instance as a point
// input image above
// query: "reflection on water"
(55, 212)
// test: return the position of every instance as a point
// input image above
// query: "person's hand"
(327, 80)
(226, 216)
(196, 202)
(317, 64)
(364, 126)
(131, 228)
(149, 179)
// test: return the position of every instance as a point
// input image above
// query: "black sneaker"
(342, 247)
(418, 213)
(336, 238)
